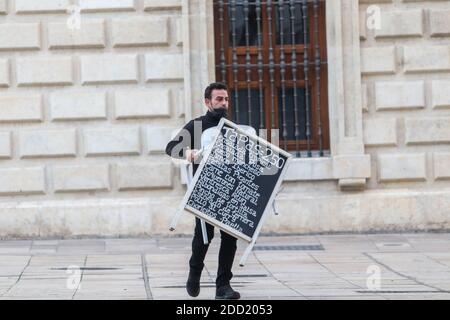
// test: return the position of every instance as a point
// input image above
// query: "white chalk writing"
(226, 189)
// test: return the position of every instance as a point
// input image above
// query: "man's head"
(216, 96)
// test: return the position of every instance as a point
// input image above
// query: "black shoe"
(227, 293)
(193, 285)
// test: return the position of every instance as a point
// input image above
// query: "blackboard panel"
(236, 181)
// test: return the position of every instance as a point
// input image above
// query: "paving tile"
(14, 250)
(15, 243)
(45, 242)
(359, 297)
(112, 268)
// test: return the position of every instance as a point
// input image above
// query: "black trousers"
(226, 253)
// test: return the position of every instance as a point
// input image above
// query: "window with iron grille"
(272, 56)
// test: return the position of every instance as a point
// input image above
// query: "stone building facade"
(86, 111)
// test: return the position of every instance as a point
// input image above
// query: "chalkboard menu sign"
(236, 181)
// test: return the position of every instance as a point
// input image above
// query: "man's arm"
(184, 140)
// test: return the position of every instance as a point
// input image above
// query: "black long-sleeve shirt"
(181, 141)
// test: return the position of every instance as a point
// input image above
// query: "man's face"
(219, 99)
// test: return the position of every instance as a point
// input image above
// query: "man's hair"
(214, 86)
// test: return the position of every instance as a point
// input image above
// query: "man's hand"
(192, 155)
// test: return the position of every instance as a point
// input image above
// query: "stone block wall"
(86, 111)
(405, 65)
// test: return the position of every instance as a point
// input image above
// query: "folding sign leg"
(250, 246)
(174, 221)
(275, 212)
(204, 233)
(173, 225)
(187, 171)
(247, 252)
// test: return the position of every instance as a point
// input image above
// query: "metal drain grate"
(86, 268)
(393, 244)
(297, 247)
(212, 285)
(184, 286)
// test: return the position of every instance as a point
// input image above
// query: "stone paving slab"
(405, 266)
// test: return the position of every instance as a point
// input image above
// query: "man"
(186, 145)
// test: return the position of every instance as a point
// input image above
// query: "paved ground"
(410, 266)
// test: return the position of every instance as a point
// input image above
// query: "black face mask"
(219, 113)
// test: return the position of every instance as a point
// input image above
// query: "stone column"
(198, 51)
(350, 165)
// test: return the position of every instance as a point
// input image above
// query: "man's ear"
(207, 103)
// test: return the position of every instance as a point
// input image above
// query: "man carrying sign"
(186, 144)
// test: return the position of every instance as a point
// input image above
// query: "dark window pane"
(240, 23)
(287, 28)
(244, 107)
(293, 32)
(290, 113)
